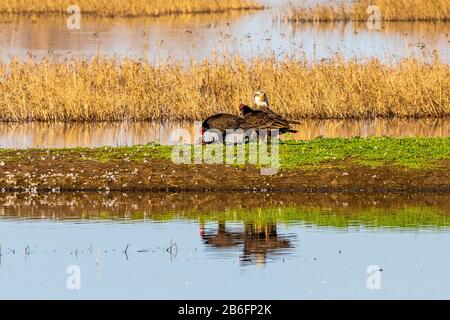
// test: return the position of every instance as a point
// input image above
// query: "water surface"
(196, 37)
(219, 246)
(61, 135)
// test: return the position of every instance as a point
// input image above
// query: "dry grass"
(109, 89)
(391, 10)
(128, 8)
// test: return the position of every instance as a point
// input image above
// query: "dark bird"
(257, 119)
(262, 103)
(221, 122)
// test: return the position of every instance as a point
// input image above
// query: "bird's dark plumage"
(265, 109)
(222, 122)
(257, 119)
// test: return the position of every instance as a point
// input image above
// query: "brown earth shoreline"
(47, 175)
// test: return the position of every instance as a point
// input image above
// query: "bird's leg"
(274, 135)
(263, 136)
(224, 138)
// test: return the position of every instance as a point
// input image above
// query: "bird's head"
(260, 99)
(245, 109)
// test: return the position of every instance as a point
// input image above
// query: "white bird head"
(260, 99)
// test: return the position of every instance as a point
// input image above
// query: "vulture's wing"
(265, 109)
(264, 120)
(222, 122)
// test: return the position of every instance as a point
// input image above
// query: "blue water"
(318, 262)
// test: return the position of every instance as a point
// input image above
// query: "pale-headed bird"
(262, 103)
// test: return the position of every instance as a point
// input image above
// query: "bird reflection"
(259, 241)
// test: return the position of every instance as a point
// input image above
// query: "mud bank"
(55, 175)
(321, 165)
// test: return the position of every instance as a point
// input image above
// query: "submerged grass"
(127, 8)
(361, 10)
(108, 89)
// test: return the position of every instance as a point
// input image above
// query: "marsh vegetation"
(108, 89)
(129, 8)
(359, 10)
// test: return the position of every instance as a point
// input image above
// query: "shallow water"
(259, 246)
(60, 135)
(197, 36)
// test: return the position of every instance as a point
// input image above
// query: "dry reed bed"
(128, 8)
(106, 89)
(391, 10)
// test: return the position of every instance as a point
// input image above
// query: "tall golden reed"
(391, 10)
(109, 89)
(129, 8)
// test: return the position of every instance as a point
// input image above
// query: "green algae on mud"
(320, 165)
(409, 152)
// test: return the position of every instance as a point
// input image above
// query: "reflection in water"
(238, 225)
(198, 36)
(60, 135)
(121, 242)
(259, 241)
(340, 210)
